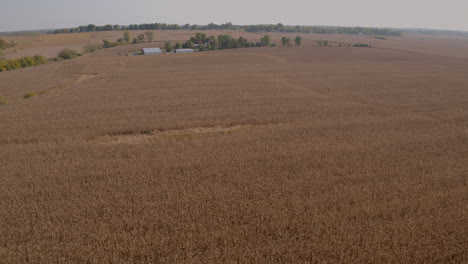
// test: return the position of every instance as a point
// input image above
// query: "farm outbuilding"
(151, 51)
(184, 51)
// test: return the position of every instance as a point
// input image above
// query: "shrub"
(67, 54)
(109, 44)
(29, 95)
(323, 43)
(91, 47)
(38, 60)
(135, 41)
(3, 66)
(3, 100)
(13, 65)
(26, 62)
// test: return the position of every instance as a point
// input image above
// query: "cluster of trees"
(224, 41)
(323, 43)
(286, 42)
(152, 26)
(362, 45)
(326, 43)
(7, 65)
(229, 26)
(322, 30)
(149, 35)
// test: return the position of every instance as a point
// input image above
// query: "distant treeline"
(229, 26)
(435, 31)
(322, 30)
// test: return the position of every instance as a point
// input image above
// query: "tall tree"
(141, 38)
(298, 40)
(265, 40)
(127, 36)
(283, 41)
(149, 35)
(91, 27)
(168, 46)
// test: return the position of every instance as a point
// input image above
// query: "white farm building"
(151, 51)
(184, 51)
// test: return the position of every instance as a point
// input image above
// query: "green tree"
(108, 27)
(188, 44)
(298, 40)
(265, 41)
(149, 35)
(141, 38)
(135, 41)
(106, 43)
(91, 27)
(286, 42)
(127, 36)
(168, 46)
(177, 46)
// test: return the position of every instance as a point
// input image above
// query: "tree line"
(7, 65)
(229, 26)
(203, 42)
(322, 30)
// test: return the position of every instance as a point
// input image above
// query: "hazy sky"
(45, 14)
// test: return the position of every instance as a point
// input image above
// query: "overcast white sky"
(45, 14)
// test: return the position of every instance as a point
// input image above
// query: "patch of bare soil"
(84, 77)
(146, 136)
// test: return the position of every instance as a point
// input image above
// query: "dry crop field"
(257, 155)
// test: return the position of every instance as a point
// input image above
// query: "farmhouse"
(151, 51)
(184, 51)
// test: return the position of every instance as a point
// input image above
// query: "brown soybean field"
(258, 155)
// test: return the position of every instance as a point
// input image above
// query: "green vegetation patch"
(67, 54)
(29, 95)
(3, 100)
(8, 65)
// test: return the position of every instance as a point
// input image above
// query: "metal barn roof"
(184, 50)
(151, 51)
